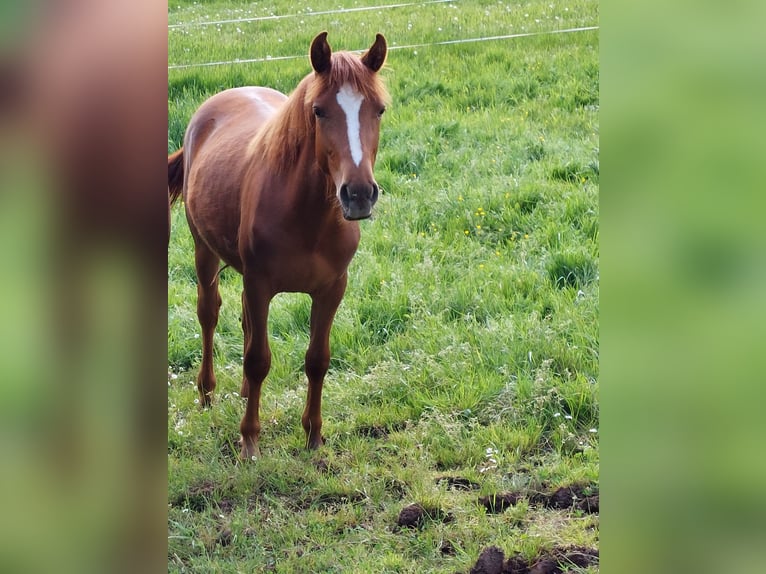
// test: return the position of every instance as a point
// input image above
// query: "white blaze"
(351, 102)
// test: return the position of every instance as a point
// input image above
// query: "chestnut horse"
(274, 186)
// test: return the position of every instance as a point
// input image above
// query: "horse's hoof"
(315, 443)
(249, 450)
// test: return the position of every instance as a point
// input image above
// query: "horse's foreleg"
(323, 308)
(208, 305)
(257, 361)
(245, 389)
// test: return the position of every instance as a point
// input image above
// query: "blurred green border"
(683, 89)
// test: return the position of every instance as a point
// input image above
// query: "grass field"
(465, 353)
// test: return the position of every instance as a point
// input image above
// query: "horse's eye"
(381, 112)
(318, 112)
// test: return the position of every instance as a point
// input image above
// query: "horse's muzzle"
(356, 200)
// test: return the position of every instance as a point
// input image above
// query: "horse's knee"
(317, 364)
(208, 305)
(256, 365)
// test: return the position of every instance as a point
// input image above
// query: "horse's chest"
(309, 272)
(310, 266)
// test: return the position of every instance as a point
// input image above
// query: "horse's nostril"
(374, 197)
(344, 196)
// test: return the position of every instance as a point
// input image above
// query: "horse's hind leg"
(208, 305)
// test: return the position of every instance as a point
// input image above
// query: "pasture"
(464, 371)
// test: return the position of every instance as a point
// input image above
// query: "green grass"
(467, 342)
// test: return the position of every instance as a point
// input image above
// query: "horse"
(274, 186)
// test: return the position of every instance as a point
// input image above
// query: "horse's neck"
(314, 189)
(280, 139)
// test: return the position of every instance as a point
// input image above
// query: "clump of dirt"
(225, 536)
(574, 496)
(416, 515)
(580, 497)
(411, 516)
(447, 548)
(497, 503)
(490, 561)
(457, 483)
(557, 561)
(516, 564)
(561, 560)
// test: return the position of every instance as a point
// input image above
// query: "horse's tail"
(175, 175)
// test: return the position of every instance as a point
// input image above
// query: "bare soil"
(558, 561)
(581, 497)
(416, 516)
(457, 483)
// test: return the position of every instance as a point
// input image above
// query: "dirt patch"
(328, 502)
(561, 560)
(490, 561)
(206, 496)
(226, 505)
(557, 561)
(416, 516)
(225, 536)
(581, 497)
(497, 503)
(396, 487)
(516, 564)
(333, 500)
(321, 465)
(574, 497)
(372, 431)
(211, 537)
(457, 483)
(197, 498)
(411, 516)
(379, 431)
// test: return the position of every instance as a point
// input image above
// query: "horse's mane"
(279, 141)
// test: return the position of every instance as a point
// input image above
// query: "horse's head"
(347, 100)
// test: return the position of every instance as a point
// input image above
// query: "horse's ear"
(320, 54)
(375, 57)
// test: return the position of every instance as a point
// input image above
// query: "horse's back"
(237, 113)
(217, 150)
